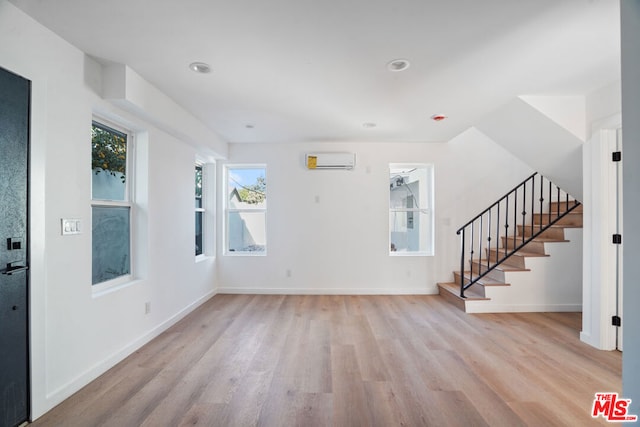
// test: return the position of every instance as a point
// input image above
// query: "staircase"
(496, 257)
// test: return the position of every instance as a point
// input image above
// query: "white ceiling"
(315, 70)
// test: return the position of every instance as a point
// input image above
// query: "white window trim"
(126, 279)
(227, 209)
(202, 209)
(209, 209)
(430, 209)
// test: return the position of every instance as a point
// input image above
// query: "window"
(199, 211)
(111, 203)
(411, 219)
(246, 210)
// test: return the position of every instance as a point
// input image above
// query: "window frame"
(128, 202)
(426, 207)
(202, 210)
(228, 210)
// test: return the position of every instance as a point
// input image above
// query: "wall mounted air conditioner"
(330, 160)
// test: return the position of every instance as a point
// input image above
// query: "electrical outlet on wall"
(147, 307)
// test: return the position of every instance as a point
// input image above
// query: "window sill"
(249, 254)
(203, 258)
(111, 286)
(407, 253)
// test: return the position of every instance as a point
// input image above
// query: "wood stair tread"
(563, 207)
(522, 253)
(454, 288)
(562, 212)
(485, 281)
(549, 240)
(553, 226)
(501, 267)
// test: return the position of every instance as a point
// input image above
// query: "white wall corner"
(567, 111)
(540, 142)
(604, 108)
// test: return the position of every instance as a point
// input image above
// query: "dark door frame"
(27, 239)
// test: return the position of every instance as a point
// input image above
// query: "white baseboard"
(61, 393)
(327, 291)
(487, 307)
(597, 343)
(588, 339)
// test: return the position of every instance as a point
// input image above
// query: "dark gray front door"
(14, 254)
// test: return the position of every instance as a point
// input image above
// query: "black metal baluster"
(541, 200)
(550, 201)
(533, 204)
(462, 265)
(481, 242)
(506, 218)
(515, 220)
(489, 238)
(524, 210)
(471, 254)
(498, 229)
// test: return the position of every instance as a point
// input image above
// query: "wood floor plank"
(202, 415)
(489, 404)
(247, 401)
(349, 398)
(383, 404)
(231, 357)
(535, 414)
(316, 410)
(248, 360)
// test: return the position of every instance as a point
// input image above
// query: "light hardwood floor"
(243, 360)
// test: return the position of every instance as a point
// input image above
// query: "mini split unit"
(330, 160)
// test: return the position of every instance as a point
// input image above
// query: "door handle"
(13, 269)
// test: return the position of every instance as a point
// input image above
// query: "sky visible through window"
(249, 184)
(244, 177)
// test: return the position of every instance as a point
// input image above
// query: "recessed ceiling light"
(369, 125)
(398, 65)
(200, 67)
(249, 126)
(438, 117)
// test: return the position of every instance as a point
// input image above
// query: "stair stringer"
(553, 284)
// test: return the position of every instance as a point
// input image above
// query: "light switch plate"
(70, 226)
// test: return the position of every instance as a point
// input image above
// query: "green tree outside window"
(109, 151)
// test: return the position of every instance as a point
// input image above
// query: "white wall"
(603, 108)
(75, 334)
(538, 139)
(630, 11)
(567, 111)
(329, 228)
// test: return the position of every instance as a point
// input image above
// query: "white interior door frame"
(619, 227)
(600, 261)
